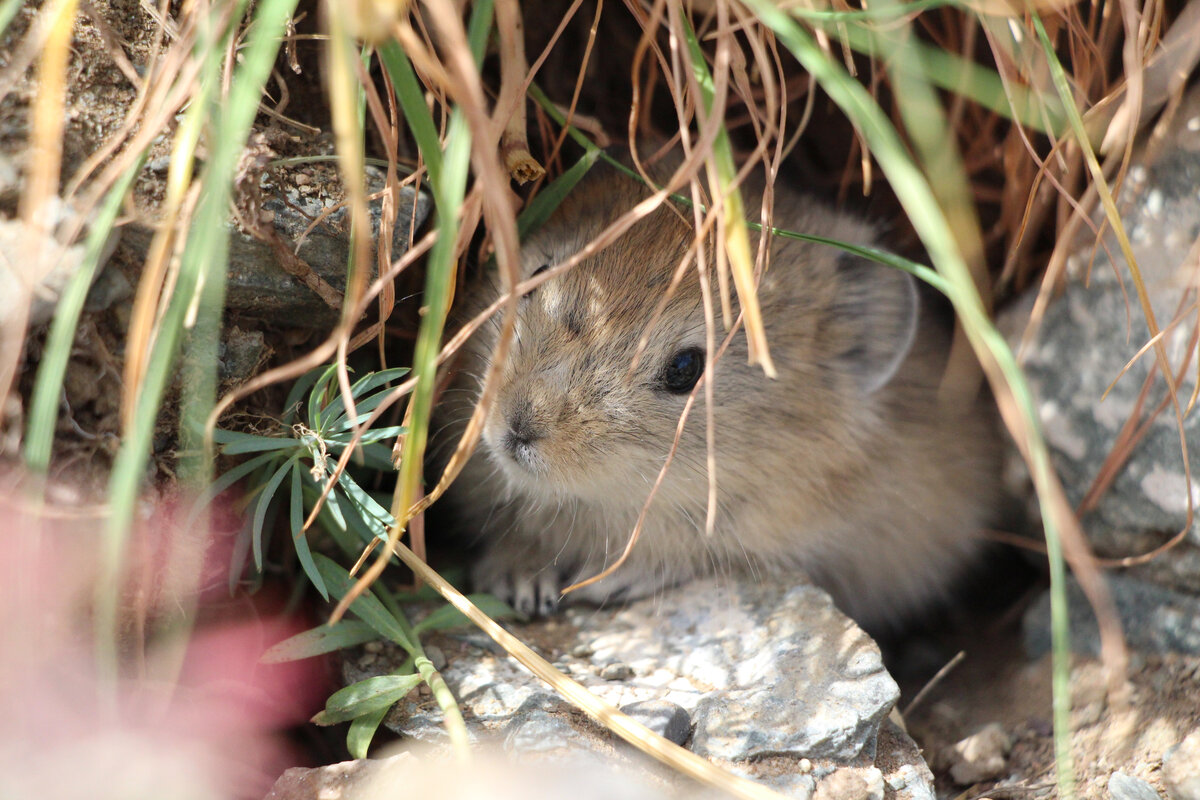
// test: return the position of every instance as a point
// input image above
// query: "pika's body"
(844, 467)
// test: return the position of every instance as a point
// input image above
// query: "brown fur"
(873, 490)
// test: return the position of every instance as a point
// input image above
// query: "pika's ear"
(879, 307)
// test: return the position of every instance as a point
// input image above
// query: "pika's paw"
(538, 592)
(531, 593)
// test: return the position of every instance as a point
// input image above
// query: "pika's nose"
(523, 430)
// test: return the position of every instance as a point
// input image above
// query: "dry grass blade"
(343, 89)
(37, 209)
(1108, 122)
(514, 75)
(466, 88)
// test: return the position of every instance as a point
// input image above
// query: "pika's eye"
(683, 370)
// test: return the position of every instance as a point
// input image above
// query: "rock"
(260, 286)
(436, 657)
(240, 353)
(27, 254)
(1153, 618)
(489, 777)
(111, 287)
(772, 676)
(669, 720)
(1082, 345)
(617, 672)
(851, 784)
(348, 780)
(536, 729)
(1181, 769)
(1127, 787)
(979, 757)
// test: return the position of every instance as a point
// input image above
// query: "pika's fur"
(844, 468)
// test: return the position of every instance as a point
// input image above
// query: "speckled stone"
(1088, 334)
(1154, 619)
(760, 678)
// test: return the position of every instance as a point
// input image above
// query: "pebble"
(851, 784)
(618, 671)
(1127, 787)
(979, 757)
(1181, 769)
(435, 656)
(669, 720)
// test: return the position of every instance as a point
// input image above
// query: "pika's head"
(591, 393)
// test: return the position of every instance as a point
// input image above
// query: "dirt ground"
(996, 683)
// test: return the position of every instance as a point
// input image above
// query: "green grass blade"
(551, 196)
(412, 103)
(203, 264)
(448, 194)
(478, 28)
(950, 71)
(319, 641)
(737, 238)
(43, 406)
(8, 10)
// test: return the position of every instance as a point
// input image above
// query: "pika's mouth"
(522, 451)
(518, 454)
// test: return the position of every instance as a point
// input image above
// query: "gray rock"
(436, 657)
(617, 672)
(536, 728)
(259, 285)
(1154, 619)
(770, 674)
(669, 720)
(111, 287)
(1127, 787)
(240, 354)
(1181, 769)
(347, 780)
(489, 777)
(27, 254)
(1086, 337)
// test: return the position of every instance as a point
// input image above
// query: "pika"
(844, 468)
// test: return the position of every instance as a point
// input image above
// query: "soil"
(996, 683)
